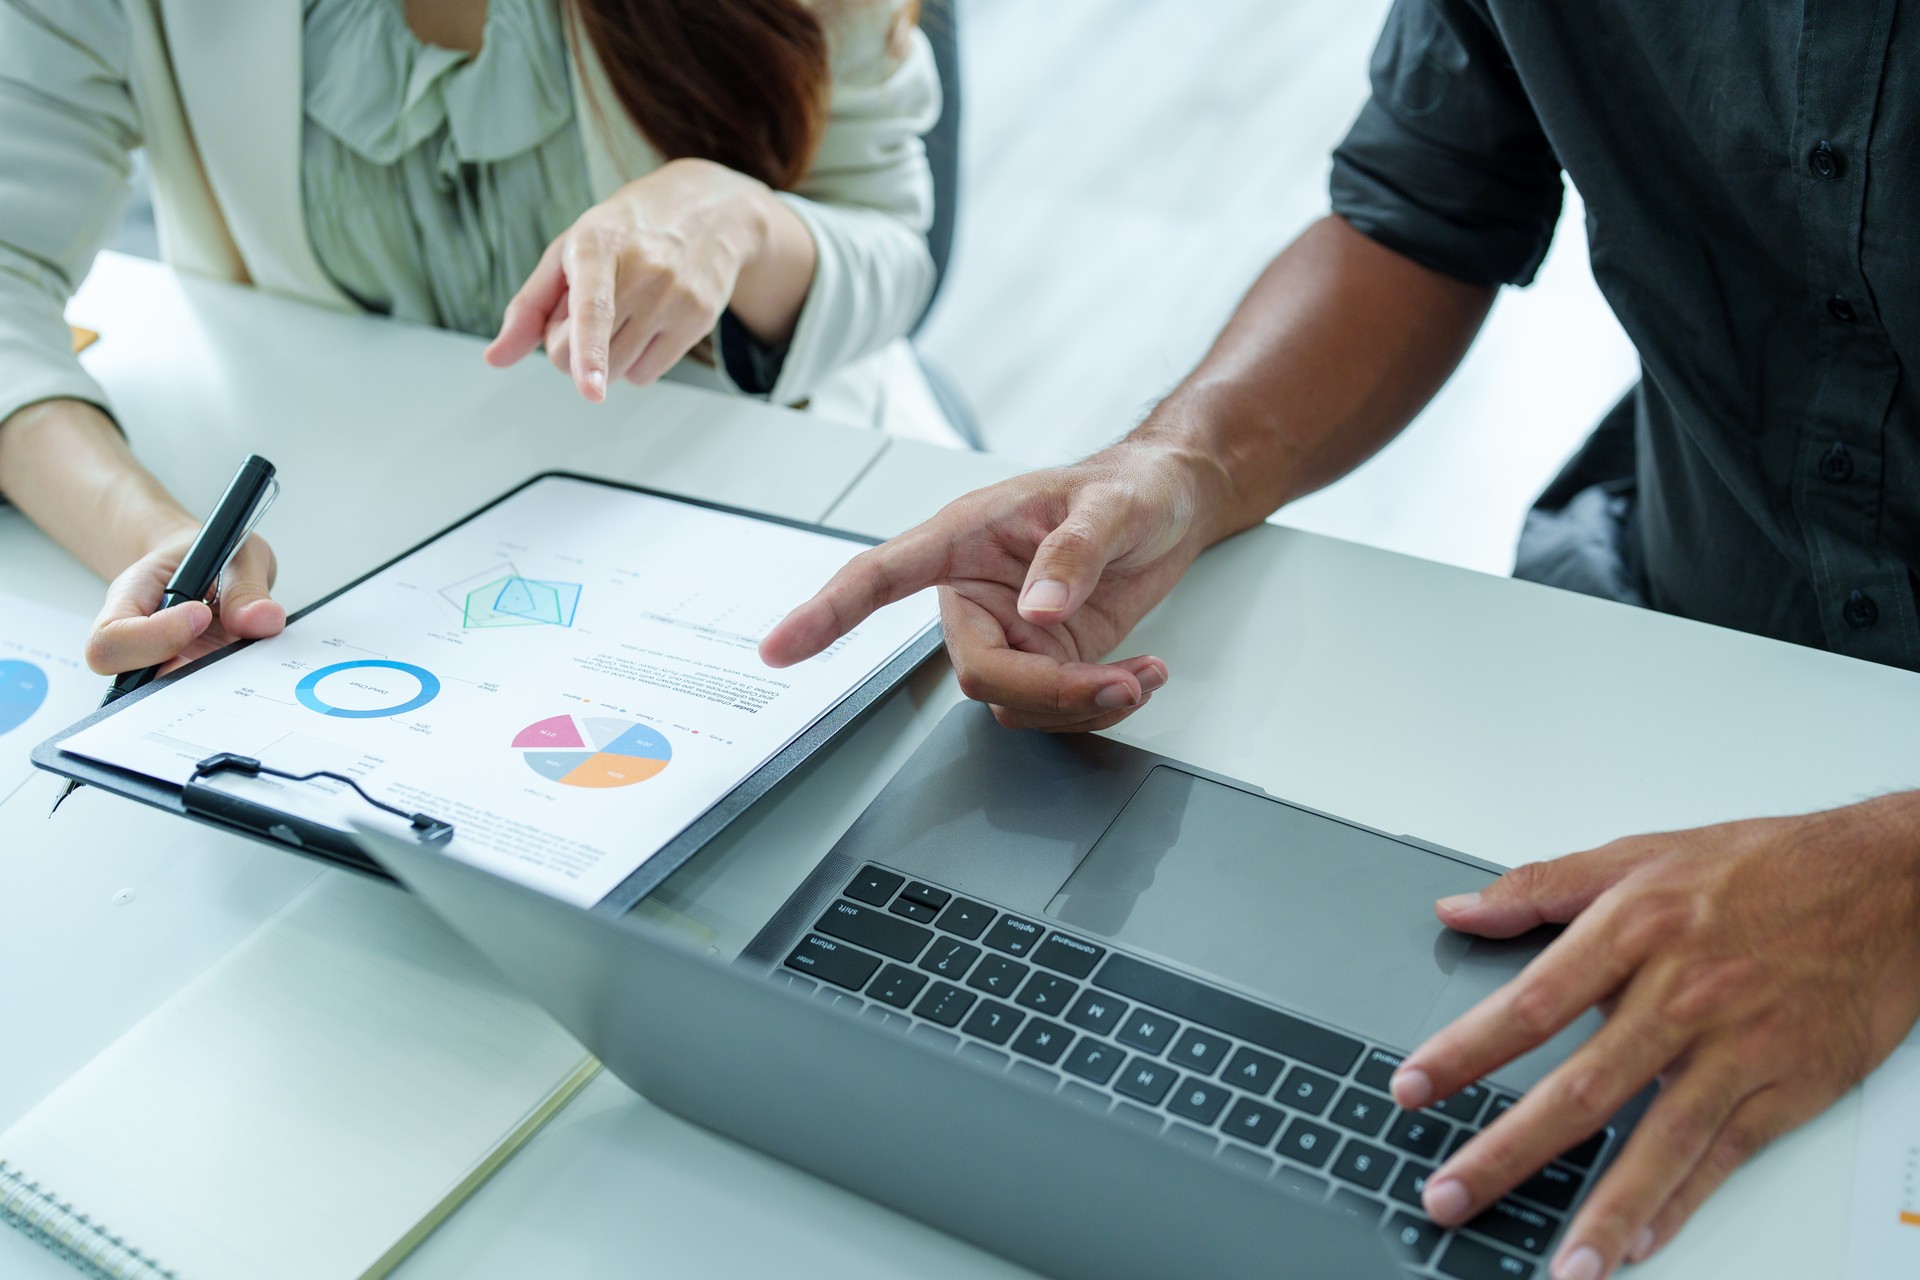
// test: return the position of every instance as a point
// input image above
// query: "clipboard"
(202, 802)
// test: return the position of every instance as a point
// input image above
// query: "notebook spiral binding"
(42, 1216)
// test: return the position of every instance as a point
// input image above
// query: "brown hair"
(740, 82)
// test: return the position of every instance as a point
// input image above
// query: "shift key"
(874, 930)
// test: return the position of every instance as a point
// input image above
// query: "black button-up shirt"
(1752, 182)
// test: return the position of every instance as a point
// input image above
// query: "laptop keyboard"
(1294, 1100)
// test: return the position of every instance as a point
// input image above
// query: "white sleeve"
(67, 124)
(868, 201)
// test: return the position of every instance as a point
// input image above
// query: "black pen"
(247, 498)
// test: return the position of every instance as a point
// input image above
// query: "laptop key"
(1042, 1041)
(1355, 1205)
(1410, 1184)
(1364, 1113)
(1139, 1117)
(1252, 1070)
(997, 976)
(1080, 1095)
(1091, 1059)
(984, 1056)
(1363, 1165)
(1199, 1050)
(886, 1017)
(1502, 1104)
(1468, 1259)
(1148, 1031)
(913, 910)
(865, 927)
(1309, 1143)
(1555, 1186)
(794, 980)
(1145, 1079)
(1187, 1136)
(1028, 1074)
(1583, 1156)
(897, 986)
(945, 1004)
(1045, 993)
(1064, 953)
(1415, 1238)
(934, 1036)
(1252, 1161)
(874, 886)
(1198, 1100)
(1097, 1012)
(926, 895)
(829, 961)
(1460, 1139)
(1013, 935)
(1377, 1068)
(1419, 1135)
(1306, 1090)
(1463, 1106)
(1518, 1225)
(1299, 1182)
(949, 957)
(1253, 1123)
(992, 1021)
(966, 918)
(1195, 1001)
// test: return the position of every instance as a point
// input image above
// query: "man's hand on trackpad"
(1757, 970)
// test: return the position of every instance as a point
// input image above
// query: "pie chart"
(594, 751)
(23, 687)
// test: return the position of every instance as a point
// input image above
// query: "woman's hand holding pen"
(642, 277)
(128, 635)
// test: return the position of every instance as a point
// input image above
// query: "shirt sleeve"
(1447, 163)
(67, 125)
(867, 201)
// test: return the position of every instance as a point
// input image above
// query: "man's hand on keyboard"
(1041, 575)
(1757, 969)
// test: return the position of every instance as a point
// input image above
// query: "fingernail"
(1582, 1264)
(1113, 697)
(1642, 1248)
(1154, 677)
(1460, 902)
(1412, 1088)
(1446, 1201)
(597, 380)
(1048, 595)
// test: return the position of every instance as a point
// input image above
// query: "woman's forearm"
(775, 280)
(66, 465)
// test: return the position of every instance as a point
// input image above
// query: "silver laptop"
(1089, 1007)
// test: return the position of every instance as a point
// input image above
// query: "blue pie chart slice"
(23, 688)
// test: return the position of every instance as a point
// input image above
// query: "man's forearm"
(64, 464)
(1329, 356)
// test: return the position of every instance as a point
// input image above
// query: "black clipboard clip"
(208, 801)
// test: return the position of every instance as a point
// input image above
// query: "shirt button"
(1840, 309)
(1836, 464)
(1860, 611)
(1823, 161)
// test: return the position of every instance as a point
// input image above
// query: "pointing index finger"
(877, 577)
(590, 299)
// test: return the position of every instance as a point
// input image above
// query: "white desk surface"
(1500, 718)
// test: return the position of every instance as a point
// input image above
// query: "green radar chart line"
(504, 597)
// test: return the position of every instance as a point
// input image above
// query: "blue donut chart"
(308, 690)
(23, 688)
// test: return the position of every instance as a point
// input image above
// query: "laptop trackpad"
(1317, 915)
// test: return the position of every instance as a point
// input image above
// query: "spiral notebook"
(309, 1109)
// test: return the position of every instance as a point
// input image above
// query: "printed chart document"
(44, 685)
(570, 678)
(1884, 1243)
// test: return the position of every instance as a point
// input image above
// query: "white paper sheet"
(570, 679)
(1884, 1243)
(44, 684)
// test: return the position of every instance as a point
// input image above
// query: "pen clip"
(267, 498)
